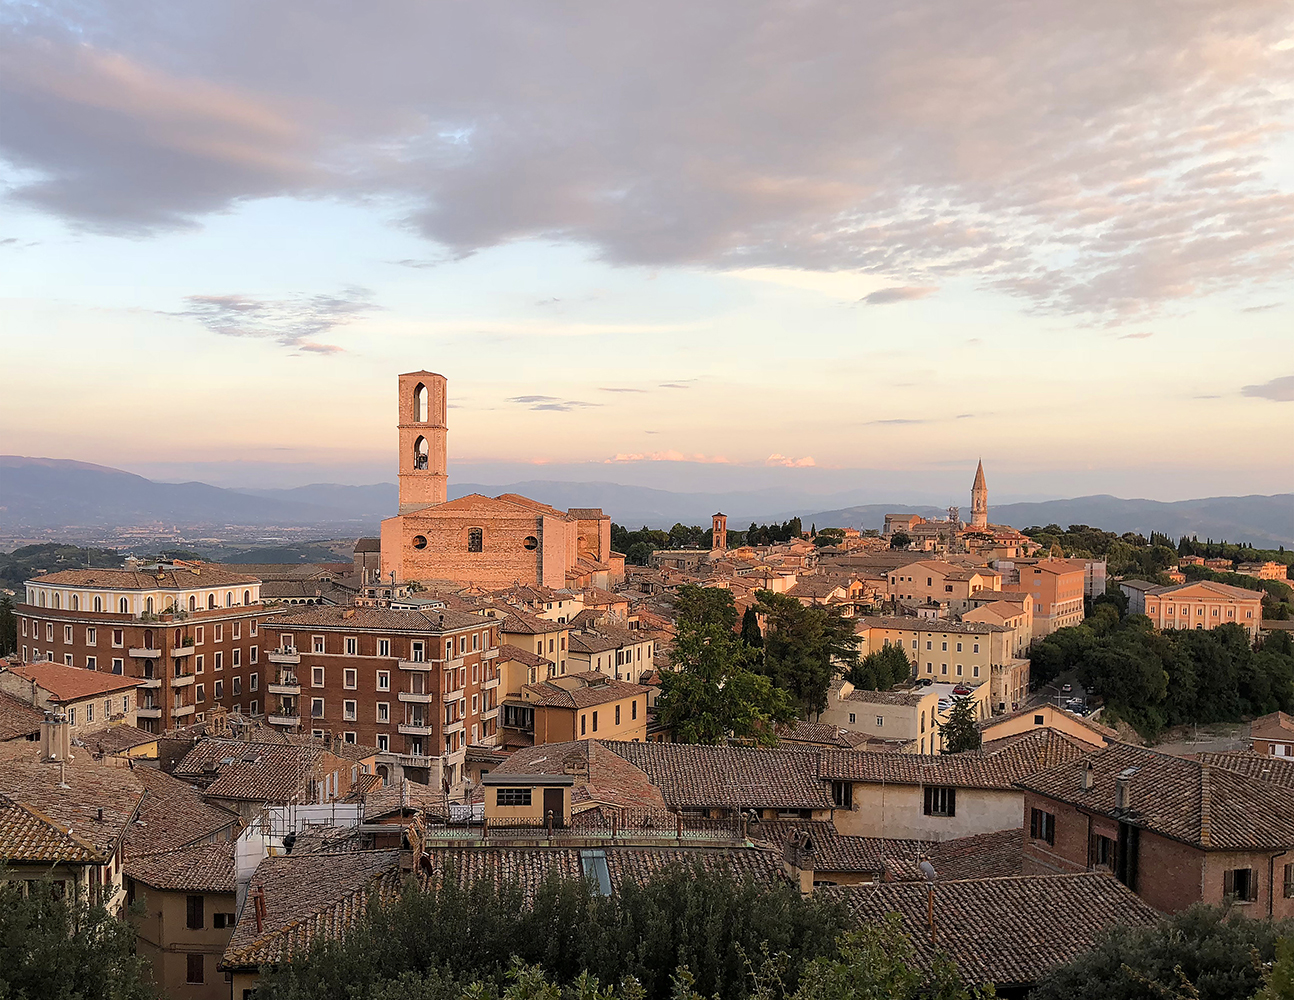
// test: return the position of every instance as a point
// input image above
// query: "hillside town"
(242, 760)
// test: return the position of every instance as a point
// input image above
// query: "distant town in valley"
(259, 757)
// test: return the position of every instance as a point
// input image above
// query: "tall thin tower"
(979, 499)
(424, 480)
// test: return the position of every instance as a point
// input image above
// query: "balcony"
(144, 653)
(416, 760)
(417, 697)
(278, 719)
(287, 656)
(414, 664)
(149, 711)
(182, 680)
(416, 728)
(182, 651)
(150, 683)
(493, 682)
(453, 727)
(490, 713)
(452, 696)
(182, 711)
(489, 654)
(289, 689)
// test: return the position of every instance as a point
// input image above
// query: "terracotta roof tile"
(66, 683)
(1210, 808)
(202, 868)
(18, 720)
(208, 575)
(1264, 767)
(28, 836)
(1008, 931)
(382, 619)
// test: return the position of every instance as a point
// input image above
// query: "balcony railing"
(290, 656)
(452, 696)
(145, 652)
(280, 719)
(414, 664)
(182, 651)
(183, 710)
(293, 688)
(417, 697)
(493, 682)
(150, 682)
(182, 680)
(416, 728)
(149, 711)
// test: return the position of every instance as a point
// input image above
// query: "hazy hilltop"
(41, 494)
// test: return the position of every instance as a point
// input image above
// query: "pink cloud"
(667, 456)
(790, 463)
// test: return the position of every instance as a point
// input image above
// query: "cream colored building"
(1264, 570)
(1016, 615)
(940, 582)
(1203, 604)
(88, 699)
(1057, 587)
(909, 714)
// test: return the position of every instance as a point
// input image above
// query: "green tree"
(805, 648)
(900, 540)
(64, 949)
(8, 626)
(698, 607)
(960, 732)
(1208, 952)
(1278, 983)
(750, 631)
(881, 669)
(711, 694)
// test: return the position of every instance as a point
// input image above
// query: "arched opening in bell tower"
(420, 401)
(420, 453)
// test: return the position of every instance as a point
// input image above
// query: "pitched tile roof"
(939, 626)
(909, 698)
(208, 575)
(1221, 589)
(986, 855)
(115, 738)
(307, 897)
(1265, 767)
(28, 836)
(820, 734)
(602, 776)
(1008, 931)
(515, 654)
(1210, 808)
(173, 815)
(66, 683)
(729, 776)
(1000, 767)
(257, 772)
(836, 852)
(201, 868)
(18, 720)
(551, 695)
(528, 867)
(516, 622)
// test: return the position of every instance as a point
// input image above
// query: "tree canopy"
(881, 669)
(805, 647)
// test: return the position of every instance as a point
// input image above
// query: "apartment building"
(1176, 831)
(1263, 570)
(617, 652)
(1057, 587)
(88, 700)
(1203, 604)
(908, 715)
(932, 580)
(189, 633)
(423, 684)
(584, 705)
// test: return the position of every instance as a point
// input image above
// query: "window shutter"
(952, 802)
(1229, 883)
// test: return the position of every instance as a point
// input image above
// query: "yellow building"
(911, 715)
(586, 705)
(1203, 604)
(1057, 588)
(940, 582)
(1264, 570)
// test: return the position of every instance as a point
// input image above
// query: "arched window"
(247, 597)
(229, 598)
(420, 403)
(58, 599)
(179, 637)
(76, 603)
(420, 453)
(211, 602)
(148, 638)
(193, 603)
(98, 603)
(148, 605)
(42, 599)
(123, 605)
(475, 540)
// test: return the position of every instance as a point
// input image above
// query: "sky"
(802, 245)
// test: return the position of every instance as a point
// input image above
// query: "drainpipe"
(1271, 881)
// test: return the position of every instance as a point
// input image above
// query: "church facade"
(487, 542)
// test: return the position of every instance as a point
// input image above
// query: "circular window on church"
(419, 541)
(531, 542)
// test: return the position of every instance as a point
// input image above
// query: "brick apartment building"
(1175, 831)
(189, 633)
(418, 683)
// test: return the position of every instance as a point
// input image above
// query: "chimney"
(55, 737)
(258, 907)
(1123, 790)
(1088, 777)
(1206, 807)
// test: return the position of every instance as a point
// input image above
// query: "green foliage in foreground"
(52, 948)
(689, 936)
(1204, 953)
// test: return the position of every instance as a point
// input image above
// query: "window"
(475, 540)
(71, 716)
(67, 659)
(384, 680)
(253, 630)
(194, 973)
(1100, 852)
(1289, 881)
(1042, 826)
(940, 801)
(254, 707)
(583, 723)
(118, 637)
(842, 794)
(348, 710)
(945, 647)
(352, 645)
(193, 909)
(617, 715)
(199, 692)
(197, 664)
(317, 644)
(959, 647)
(118, 666)
(67, 633)
(384, 647)
(255, 654)
(350, 677)
(316, 708)
(238, 685)
(218, 690)
(317, 677)
(383, 711)
(123, 606)
(199, 635)
(91, 663)
(975, 670)
(595, 721)
(383, 742)
(218, 632)
(1039, 720)
(238, 630)
(219, 660)
(254, 682)
(89, 713)
(237, 658)
(513, 796)
(975, 648)
(1241, 883)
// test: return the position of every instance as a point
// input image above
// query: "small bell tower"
(424, 478)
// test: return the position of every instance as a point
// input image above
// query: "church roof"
(979, 477)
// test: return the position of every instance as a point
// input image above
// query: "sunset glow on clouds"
(1059, 236)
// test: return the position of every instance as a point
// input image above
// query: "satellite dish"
(928, 870)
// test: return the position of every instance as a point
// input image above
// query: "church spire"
(979, 499)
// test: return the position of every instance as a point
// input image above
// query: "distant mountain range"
(41, 494)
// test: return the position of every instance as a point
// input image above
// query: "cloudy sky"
(677, 243)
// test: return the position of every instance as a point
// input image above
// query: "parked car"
(961, 690)
(1067, 688)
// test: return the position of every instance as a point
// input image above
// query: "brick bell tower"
(719, 533)
(424, 480)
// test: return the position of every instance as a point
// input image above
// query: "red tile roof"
(28, 836)
(201, 868)
(18, 720)
(66, 684)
